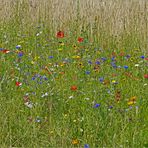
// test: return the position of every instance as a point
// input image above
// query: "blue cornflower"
(142, 57)
(50, 57)
(97, 62)
(40, 82)
(96, 105)
(125, 67)
(87, 72)
(103, 59)
(86, 146)
(89, 62)
(113, 58)
(128, 56)
(33, 78)
(113, 64)
(101, 79)
(18, 46)
(45, 78)
(110, 107)
(20, 54)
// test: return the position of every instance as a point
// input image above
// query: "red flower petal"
(146, 76)
(18, 84)
(80, 39)
(5, 51)
(60, 34)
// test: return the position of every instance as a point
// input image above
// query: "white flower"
(136, 65)
(46, 94)
(29, 104)
(71, 97)
(87, 99)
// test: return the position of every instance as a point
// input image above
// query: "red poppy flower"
(146, 76)
(18, 84)
(80, 39)
(73, 88)
(146, 59)
(5, 51)
(60, 34)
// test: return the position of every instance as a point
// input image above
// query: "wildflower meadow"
(74, 74)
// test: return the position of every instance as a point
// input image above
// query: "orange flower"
(75, 141)
(73, 88)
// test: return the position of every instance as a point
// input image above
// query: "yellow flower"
(113, 81)
(51, 132)
(81, 65)
(132, 100)
(75, 141)
(62, 44)
(32, 62)
(36, 58)
(62, 64)
(60, 49)
(65, 115)
(17, 51)
(21, 42)
(76, 57)
(74, 121)
(74, 46)
(131, 103)
(137, 49)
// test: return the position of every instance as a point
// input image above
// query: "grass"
(86, 89)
